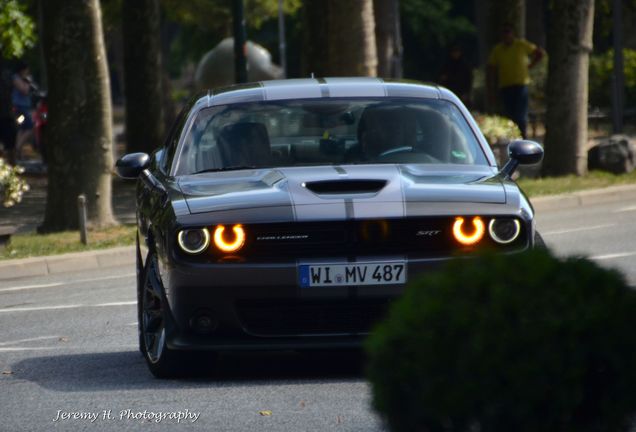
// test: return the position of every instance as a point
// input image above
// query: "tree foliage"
(601, 70)
(204, 23)
(433, 21)
(429, 27)
(17, 30)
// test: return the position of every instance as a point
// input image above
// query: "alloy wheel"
(153, 323)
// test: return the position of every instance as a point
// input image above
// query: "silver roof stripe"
(355, 87)
(324, 88)
(291, 89)
(308, 88)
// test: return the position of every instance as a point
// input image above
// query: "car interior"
(343, 133)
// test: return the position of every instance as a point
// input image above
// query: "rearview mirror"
(522, 152)
(130, 166)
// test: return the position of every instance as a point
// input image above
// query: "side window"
(172, 141)
(465, 148)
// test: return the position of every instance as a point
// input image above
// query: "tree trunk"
(388, 38)
(569, 47)
(340, 38)
(315, 49)
(80, 118)
(351, 38)
(142, 75)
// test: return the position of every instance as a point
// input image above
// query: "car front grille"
(303, 317)
(422, 237)
(413, 238)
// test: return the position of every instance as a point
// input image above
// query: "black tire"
(162, 361)
(539, 243)
(140, 281)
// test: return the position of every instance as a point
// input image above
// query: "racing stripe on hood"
(388, 202)
(308, 206)
(348, 202)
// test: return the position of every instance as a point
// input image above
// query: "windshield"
(328, 132)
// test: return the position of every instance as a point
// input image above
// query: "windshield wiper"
(229, 168)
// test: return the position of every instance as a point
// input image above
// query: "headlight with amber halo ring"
(468, 237)
(232, 244)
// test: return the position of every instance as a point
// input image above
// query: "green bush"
(496, 128)
(519, 343)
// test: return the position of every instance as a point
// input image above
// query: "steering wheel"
(397, 150)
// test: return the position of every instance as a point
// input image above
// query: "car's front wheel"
(162, 361)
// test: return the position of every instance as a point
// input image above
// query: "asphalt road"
(68, 345)
(606, 233)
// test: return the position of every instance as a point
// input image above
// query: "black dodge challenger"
(288, 214)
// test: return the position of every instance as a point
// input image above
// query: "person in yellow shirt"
(508, 66)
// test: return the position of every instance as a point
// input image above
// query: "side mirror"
(522, 152)
(130, 166)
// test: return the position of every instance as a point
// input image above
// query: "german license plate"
(377, 273)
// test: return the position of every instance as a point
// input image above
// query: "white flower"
(11, 185)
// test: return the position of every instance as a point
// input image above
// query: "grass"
(572, 183)
(29, 245)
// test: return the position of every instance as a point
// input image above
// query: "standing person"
(21, 98)
(508, 65)
(7, 120)
(457, 75)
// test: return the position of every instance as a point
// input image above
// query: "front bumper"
(262, 307)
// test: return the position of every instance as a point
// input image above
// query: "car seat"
(434, 137)
(245, 144)
(383, 128)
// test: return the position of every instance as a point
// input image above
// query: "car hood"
(346, 191)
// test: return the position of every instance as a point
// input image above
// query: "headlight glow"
(504, 231)
(229, 246)
(194, 241)
(470, 238)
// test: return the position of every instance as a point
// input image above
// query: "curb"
(53, 264)
(588, 197)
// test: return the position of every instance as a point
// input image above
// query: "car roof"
(308, 88)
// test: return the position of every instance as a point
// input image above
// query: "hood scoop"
(345, 187)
